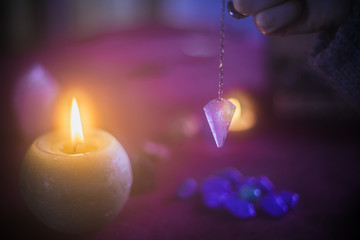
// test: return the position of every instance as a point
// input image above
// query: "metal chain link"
(221, 65)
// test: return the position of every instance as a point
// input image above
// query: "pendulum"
(219, 112)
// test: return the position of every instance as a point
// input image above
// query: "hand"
(287, 17)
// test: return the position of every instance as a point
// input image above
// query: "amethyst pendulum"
(219, 112)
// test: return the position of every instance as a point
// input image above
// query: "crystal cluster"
(240, 196)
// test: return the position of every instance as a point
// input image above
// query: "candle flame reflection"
(77, 136)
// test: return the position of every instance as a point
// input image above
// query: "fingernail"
(262, 22)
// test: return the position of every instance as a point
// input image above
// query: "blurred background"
(143, 70)
(278, 66)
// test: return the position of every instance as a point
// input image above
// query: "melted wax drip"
(219, 113)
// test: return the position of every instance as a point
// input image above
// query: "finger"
(250, 7)
(279, 17)
(320, 15)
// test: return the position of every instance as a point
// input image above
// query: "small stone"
(214, 190)
(265, 184)
(249, 192)
(215, 200)
(239, 208)
(249, 180)
(187, 189)
(290, 198)
(230, 173)
(273, 205)
(215, 184)
(219, 113)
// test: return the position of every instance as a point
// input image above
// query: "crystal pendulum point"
(219, 113)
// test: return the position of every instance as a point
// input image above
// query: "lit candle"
(76, 184)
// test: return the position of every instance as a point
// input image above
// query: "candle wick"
(75, 147)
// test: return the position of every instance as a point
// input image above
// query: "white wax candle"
(76, 192)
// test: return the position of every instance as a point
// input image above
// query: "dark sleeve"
(337, 57)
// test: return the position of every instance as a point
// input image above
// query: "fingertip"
(262, 22)
(275, 19)
(242, 6)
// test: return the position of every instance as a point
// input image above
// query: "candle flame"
(75, 124)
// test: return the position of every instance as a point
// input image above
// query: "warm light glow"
(244, 116)
(237, 113)
(77, 136)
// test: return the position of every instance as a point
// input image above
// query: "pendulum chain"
(219, 112)
(221, 64)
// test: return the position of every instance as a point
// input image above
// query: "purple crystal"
(265, 184)
(187, 189)
(249, 180)
(215, 184)
(239, 207)
(214, 190)
(231, 174)
(215, 199)
(289, 198)
(219, 114)
(34, 100)
(273, 205)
